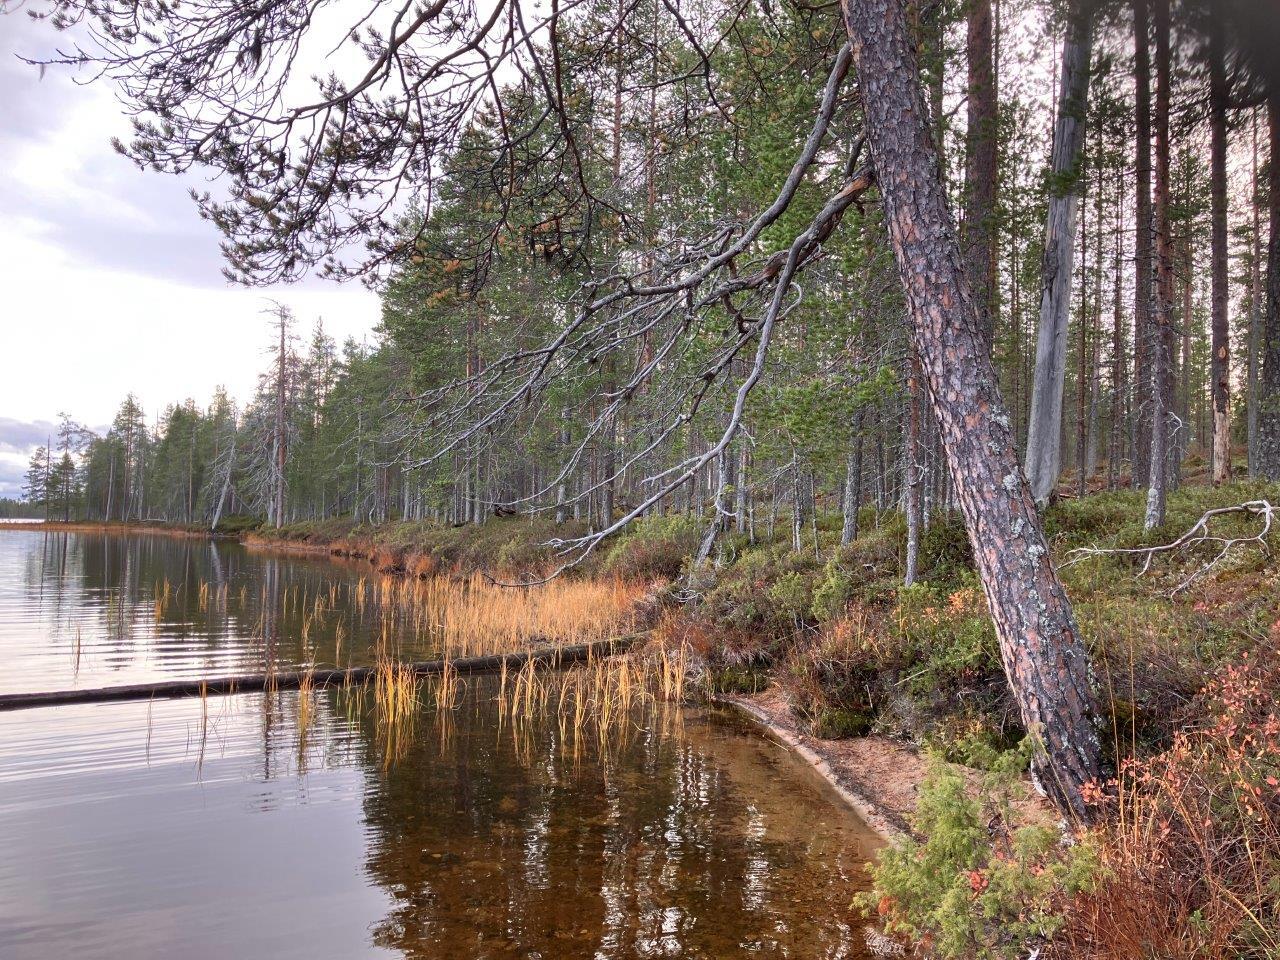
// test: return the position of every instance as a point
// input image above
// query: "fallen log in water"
(292, 680)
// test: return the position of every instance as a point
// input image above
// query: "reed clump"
(606, 700)
(477, 617)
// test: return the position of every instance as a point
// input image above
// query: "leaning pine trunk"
(1043, 654)
(1044, 428)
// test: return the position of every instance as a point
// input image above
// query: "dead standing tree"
(210, 86)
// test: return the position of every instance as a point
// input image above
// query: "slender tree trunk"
(1255, 306)
(1162, 332)
(979, 228)
(853, 485)
(1269, 382)
(912, 482)
(740, 505)
(1095, 327)
(226, 484)
(1082, 358)
(562, 488)
(1044, 437)
(1119, 367)
(1142, 325)
(797, 511)
(1043, 654)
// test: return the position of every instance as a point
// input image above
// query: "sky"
(110, 283)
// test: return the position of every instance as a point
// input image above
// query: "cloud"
(23, 436)
(13, 471)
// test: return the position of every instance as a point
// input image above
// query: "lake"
(299, 824)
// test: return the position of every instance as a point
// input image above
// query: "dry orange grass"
(475, 617)
(1192, 859)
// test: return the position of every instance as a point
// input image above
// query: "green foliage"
(836, 724)
(968, 892)
(945, 551)
(863, 571)
(948, 635)
(654, 548)
(735, 679)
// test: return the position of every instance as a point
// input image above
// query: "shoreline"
(887, 825)
(120, 526)
(875, 776)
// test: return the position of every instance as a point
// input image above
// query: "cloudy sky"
(109, 281)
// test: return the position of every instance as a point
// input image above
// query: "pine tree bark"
(1044, 433)
(979, 228)
(1043, 654)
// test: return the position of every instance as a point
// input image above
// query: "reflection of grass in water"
(604, 703)
(607, 700)
(395, 698)
(164, 595)
(454, 618)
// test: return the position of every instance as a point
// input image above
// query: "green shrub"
(842, 724)
(792, 595)
(736, 679)
(949, 636)
(968, 891)
(945, 551)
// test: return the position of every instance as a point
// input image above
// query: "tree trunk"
(912, 482)
(1041, 648)
(980, 164)
(1162, 326)
(1142, 341)
(226, 483)
(1269, 382)
(1255, 307)
(853, 484)
(1082, 358)
(1044, 437)
(281, 454)
(1119, 367)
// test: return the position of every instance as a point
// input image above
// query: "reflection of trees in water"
(490, 848)
(224, 609)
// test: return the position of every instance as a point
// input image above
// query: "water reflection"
(84, 610)
(232, 829)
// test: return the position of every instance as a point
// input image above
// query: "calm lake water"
(290, 825)
(92, 610)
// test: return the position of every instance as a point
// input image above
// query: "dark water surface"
(300, 825)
